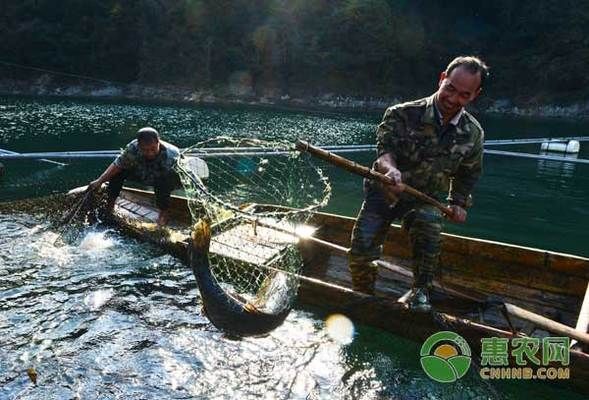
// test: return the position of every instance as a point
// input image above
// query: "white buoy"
(572, 146)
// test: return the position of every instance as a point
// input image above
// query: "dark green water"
(105, 317)
(528, 202)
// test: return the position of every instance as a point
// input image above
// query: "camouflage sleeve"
(468, 173)
(126, 159)
(390, 133)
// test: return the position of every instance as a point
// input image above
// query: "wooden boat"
(536, 292)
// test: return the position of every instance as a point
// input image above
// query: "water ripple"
(102, 316)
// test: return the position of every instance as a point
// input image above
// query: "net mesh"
(257, 196)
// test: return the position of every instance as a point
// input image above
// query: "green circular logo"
(445, 356)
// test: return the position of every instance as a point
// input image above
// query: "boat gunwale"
(398, 226)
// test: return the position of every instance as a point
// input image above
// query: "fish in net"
(248, 217)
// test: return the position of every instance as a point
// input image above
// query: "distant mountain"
(538, 50)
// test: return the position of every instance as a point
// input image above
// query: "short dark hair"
(472, 64)
(147, 135)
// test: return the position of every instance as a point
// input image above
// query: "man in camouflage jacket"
(436, 146)
(147, 160)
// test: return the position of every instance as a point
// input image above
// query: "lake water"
(107, 317)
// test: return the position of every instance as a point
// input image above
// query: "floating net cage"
(257, 196)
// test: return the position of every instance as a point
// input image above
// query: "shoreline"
(229, 96)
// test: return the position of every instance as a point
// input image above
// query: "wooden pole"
(546, 323)
(583, 320)
(331, 246)
(366, 172)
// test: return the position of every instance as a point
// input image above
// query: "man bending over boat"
(147, 160)
(436, 146)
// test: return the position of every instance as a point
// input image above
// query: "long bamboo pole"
(546, 323)
(583, 320)
(366, 172)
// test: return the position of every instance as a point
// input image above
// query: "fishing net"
(257, 196)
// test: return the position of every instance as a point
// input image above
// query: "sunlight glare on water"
(125, 321)
(97, 299)
(102, 316)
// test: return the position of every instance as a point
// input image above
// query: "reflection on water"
(103, 316)
(106, 317)
(558, 174)
(37, 124)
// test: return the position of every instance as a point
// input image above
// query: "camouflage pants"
(423, 222)
(162, 188)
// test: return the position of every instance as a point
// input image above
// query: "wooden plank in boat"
(515, 257)
(133, 210)
(393, 282)
(255, 246)
(179, 211)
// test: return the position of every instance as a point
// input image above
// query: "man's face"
(457, 90)
(150, 150)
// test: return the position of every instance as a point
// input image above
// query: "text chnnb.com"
(542, 373)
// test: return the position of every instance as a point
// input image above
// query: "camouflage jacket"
(148, 171)
(429, 155)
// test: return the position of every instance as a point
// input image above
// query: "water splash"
(48, 250)
(96, 241)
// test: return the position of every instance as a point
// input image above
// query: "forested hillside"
(538, 50)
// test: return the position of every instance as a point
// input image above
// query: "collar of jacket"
(429, 116)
